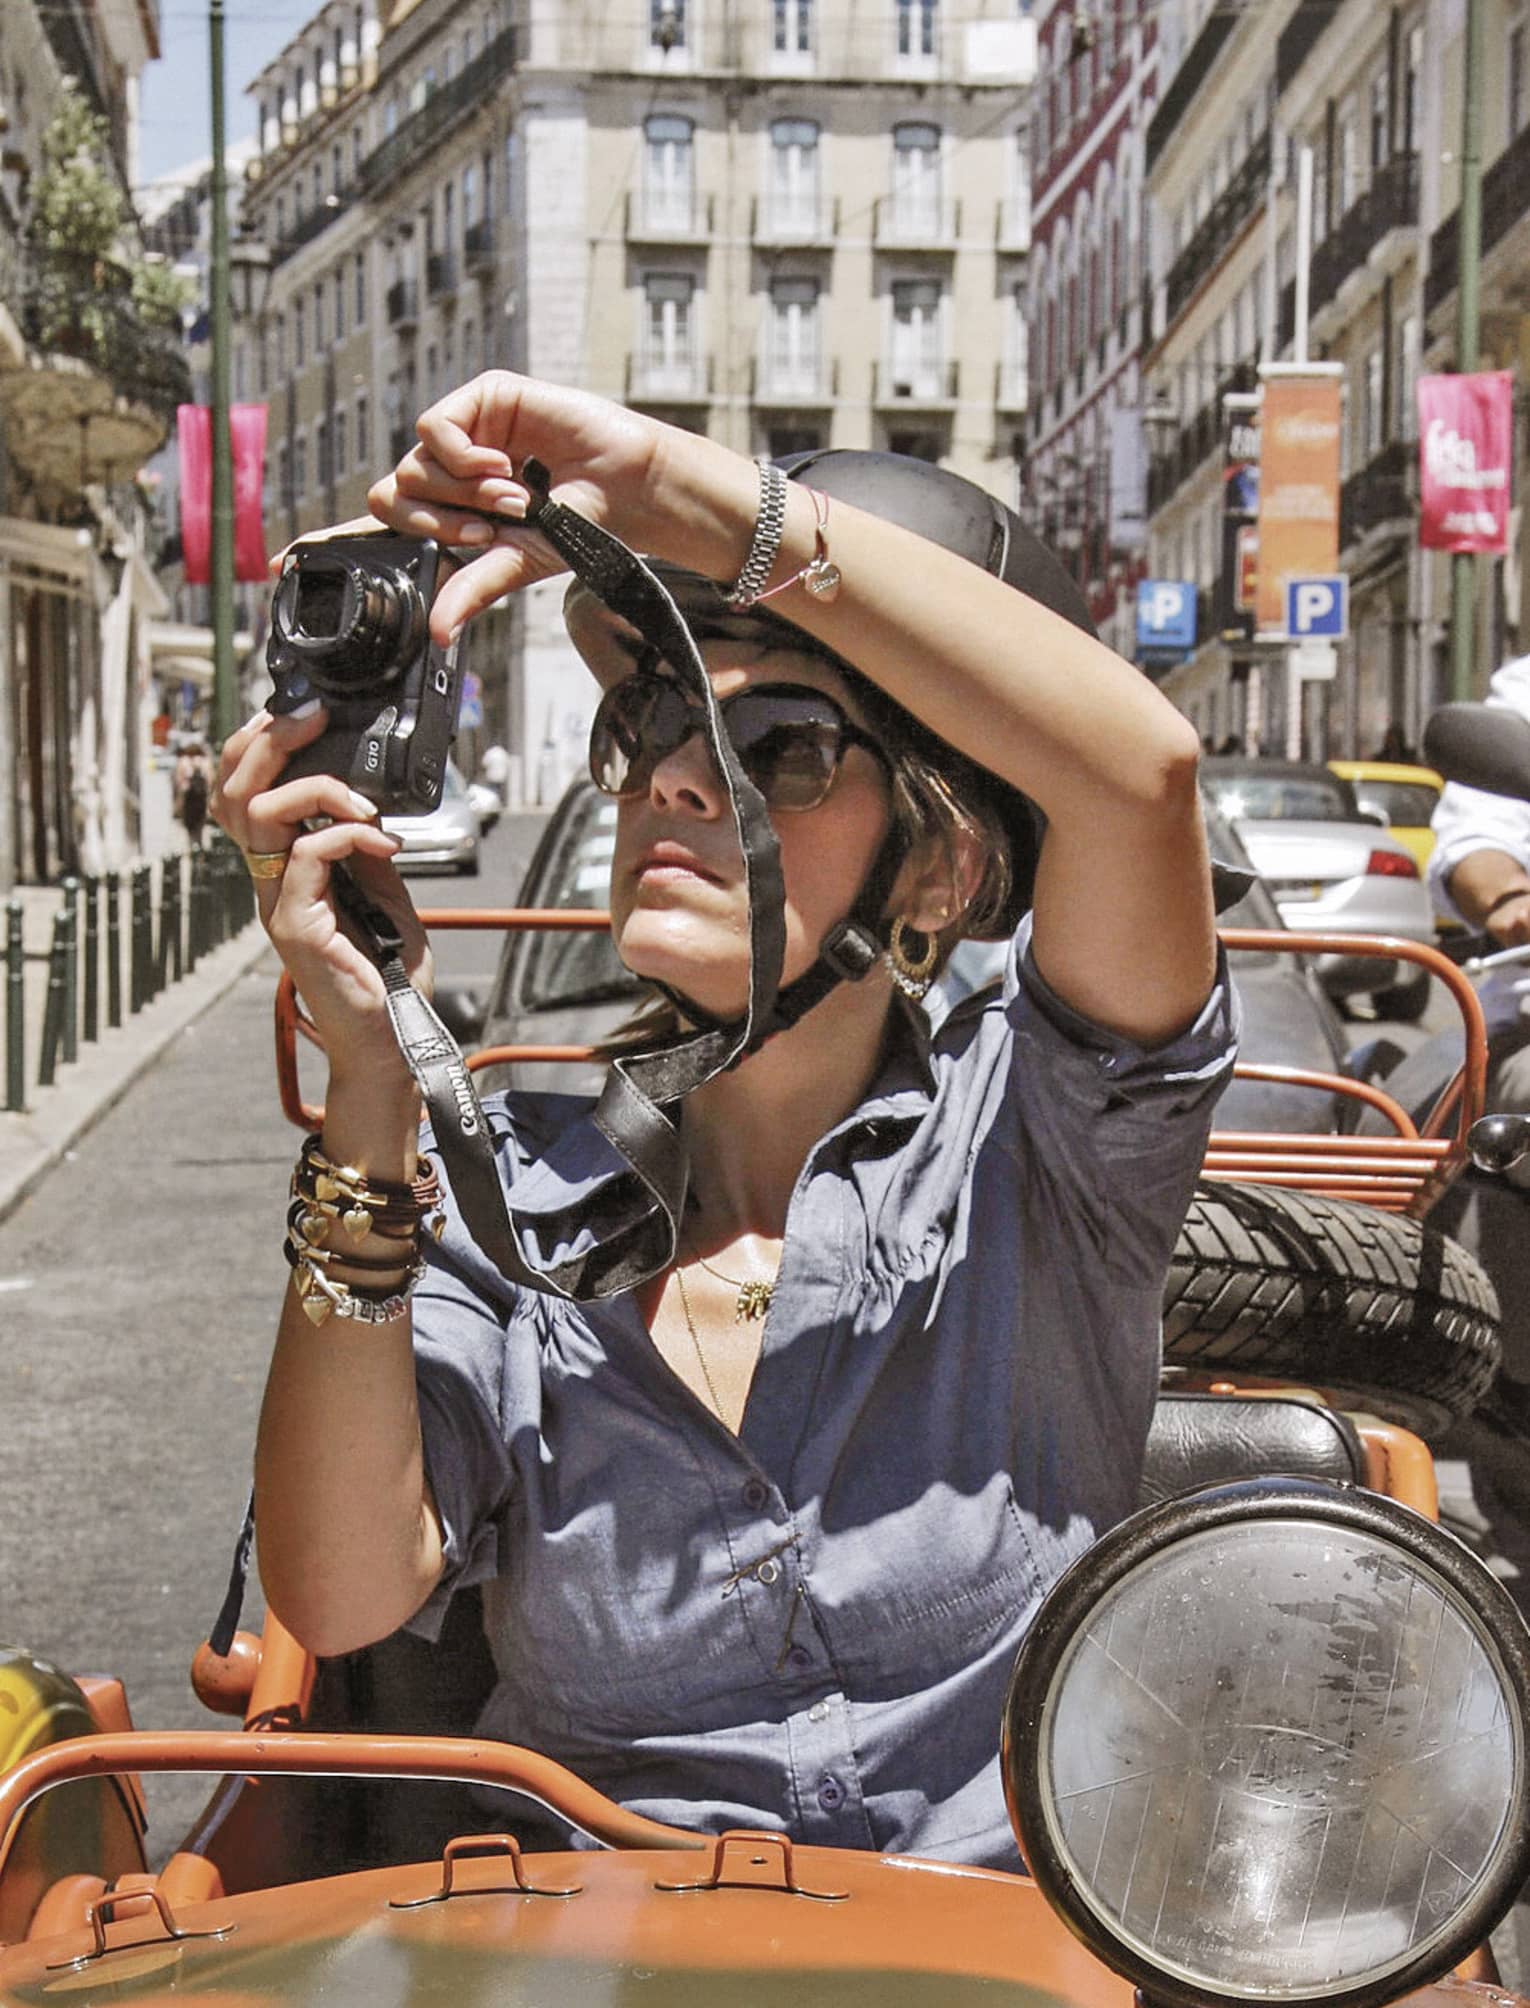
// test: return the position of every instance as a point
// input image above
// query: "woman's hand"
(662, 490)
(339, 981)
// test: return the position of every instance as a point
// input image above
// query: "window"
(669, 352)
(299, 331)
(363, 433)
(323, 465)
(299, 467)
(361, 289)
(339, 293)
(1064, 95)
(469, 196)
(666, 24)
(448, 216)
(1017, 214)
(1017, 337)
(916, 338)
(1413, 65)
(916, 27)
(792, 27)
(1346, 168)
(336, 167)
(281, 217)
(318, 317)
(356, 150)
(1377, 118)
(916, 180)
(284, 475)
(793, 175)
(340, 444)
(793, 351)
(668, 173)
(784, 439)
(1517, 52)
(1373, 410)
(1405, 376)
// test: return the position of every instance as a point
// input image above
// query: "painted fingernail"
(305, 710)
(476, 533)
(362, 805)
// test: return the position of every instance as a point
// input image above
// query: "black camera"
(349, 625)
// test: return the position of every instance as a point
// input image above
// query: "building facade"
(1375, 94)
(90, 373)
(1083, 488)
(783, 226)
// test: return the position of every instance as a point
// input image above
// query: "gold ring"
(265, 864)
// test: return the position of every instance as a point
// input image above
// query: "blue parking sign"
(1317, 609)
(1166, 614)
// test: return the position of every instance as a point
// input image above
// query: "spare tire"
(1283, 1285)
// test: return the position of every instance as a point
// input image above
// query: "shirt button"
(819, 1712)
(798, 1657)
(756, 1494)
(831, 1793)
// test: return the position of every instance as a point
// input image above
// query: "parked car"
(570, 989)
(444, 840)
(1332, 868)
(1404, 797)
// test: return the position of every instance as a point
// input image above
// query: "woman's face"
(679, 907)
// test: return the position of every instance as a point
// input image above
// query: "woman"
(742, 1570)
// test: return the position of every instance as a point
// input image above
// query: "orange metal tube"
(1398, 1463)
(455, 1759)
(1329, 1084)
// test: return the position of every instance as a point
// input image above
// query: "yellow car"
(1404, 797)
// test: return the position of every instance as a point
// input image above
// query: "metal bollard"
(15, 1022)
(113, 949)
(92, 1026)
(194, 942)
(140, 921)
(171, 958)
(69, 1042)
(53, 1007)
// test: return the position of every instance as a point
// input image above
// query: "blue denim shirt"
(809, 1627)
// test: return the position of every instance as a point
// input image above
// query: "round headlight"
(1268, 1743)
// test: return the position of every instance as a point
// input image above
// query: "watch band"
(769, 528)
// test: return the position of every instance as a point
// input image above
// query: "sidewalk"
(33, 1140)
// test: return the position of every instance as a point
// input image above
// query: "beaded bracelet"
(321, 1297)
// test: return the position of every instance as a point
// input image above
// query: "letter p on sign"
(1317, 609)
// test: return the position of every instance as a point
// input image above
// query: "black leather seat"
(1209, 1439)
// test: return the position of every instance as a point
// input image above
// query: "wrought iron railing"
(1380, 492)
(1505, 198)
(1300, 37)
(1240, 199)
(1188, 78)
(84, 307)
(1390, 203)
(423, 129)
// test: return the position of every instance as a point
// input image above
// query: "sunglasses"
(789, 738)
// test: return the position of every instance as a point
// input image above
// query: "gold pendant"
(325, 1187)
(357, 1223)
(313, 1227)
(753, 1302)
(316, 1307)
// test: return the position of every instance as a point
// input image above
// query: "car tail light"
(1391, 864)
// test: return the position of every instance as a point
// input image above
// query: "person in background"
(193, 787)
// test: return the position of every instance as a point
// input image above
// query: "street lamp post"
(1463, 565)
(221, 568)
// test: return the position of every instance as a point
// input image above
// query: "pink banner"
(247, 435)
(194, 431)
(1466, 434)
(247, 429)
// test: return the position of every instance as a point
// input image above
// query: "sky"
(175, 120)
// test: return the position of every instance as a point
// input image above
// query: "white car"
(444, 840)
(1331, 868)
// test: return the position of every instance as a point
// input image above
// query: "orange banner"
(1298, 489)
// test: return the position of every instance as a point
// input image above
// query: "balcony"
(440, 274)
(1012, 225)
(313, 225)
(478, 245)
(401, 305)
(798, 222)
(1187, 79)
(669, 377)
(908, 223)
(923, 387)
(104, 376)
(1505, 198)
(1242, 198)
(673, 217)
(1196, 442)
(421, 133)
(1379, 498)
(1390, 203)
(1300, 37)
(1011, 388)
(793, 384)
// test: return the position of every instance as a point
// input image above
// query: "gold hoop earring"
(911, 957)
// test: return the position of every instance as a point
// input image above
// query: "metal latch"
(102, 1908)
(745, 1860)
(469, 1847)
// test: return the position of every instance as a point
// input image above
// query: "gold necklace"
(753, 1298)
(690, 1326)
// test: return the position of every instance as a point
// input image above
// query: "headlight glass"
(1279, 1794)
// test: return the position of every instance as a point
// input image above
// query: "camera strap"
(637, 1109)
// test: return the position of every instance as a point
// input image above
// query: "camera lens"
(354, 626)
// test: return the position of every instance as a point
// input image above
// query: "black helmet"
(960, 516)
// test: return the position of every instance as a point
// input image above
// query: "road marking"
(15, 1283)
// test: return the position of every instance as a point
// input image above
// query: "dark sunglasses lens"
(788, 746)
(632, 730)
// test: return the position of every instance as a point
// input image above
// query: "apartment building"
(85, 399)
(1375, 93)
(1083, 487)
(785, 226)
